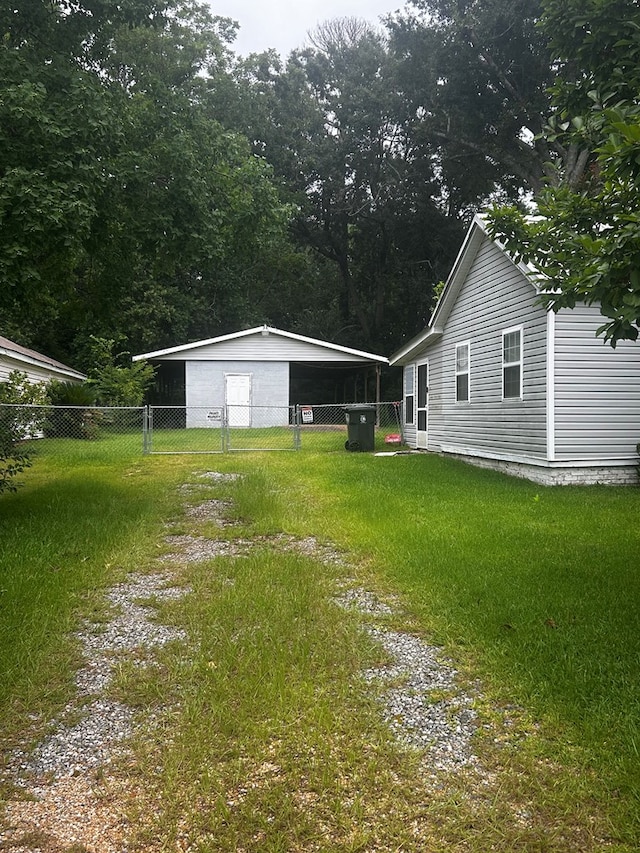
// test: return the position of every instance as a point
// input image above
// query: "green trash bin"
(361, 428)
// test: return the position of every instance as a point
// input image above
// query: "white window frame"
(467, 372)
(406, 393)
(519, 362)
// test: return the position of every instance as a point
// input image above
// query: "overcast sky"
(283, 24)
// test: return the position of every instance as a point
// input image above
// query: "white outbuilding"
(261, 369)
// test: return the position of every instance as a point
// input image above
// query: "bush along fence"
(198, 429)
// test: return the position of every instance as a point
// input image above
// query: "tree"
(586, 240)
(369, 204)
(474, 76)
(114, 380)
(187, 209)
(55, 130)
(125, 206)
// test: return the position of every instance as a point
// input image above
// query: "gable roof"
(348, 354)
(474, 239)
(30, 358)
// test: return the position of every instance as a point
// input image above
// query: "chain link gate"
(221, 429)
(229, 428)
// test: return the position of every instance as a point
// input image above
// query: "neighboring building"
(500, 381)
(38, 367)
(258, 373)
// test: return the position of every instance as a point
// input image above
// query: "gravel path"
(443, 726)
(70, 799)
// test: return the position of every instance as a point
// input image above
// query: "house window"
(462, 372)
(512, 363)
(408, 394)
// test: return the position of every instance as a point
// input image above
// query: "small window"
(512, 363)
(462, 372)
(409, 416)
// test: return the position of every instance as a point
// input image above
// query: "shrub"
(73, 415)
(14, 457)
(117, 382)
(18, 422)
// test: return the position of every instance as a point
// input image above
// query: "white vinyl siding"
(37, 367)
(512, 363)
(597, 391)
(463, 372)
(261, 347)
(35, 373)
(494, 294)
(575, 409)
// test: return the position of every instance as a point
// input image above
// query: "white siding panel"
(597, 390)
(260, 347)
(34, 373)
(409, 431)
(494, 296)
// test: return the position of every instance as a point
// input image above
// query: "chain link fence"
(76, 430)
(89, 430)
(221, 429)
(355, 426)
(178, 429)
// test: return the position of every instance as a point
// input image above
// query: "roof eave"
(195, 344)
(263, 330)
(42, 364)
(414, 346)
(476, 233)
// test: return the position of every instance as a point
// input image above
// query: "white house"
(38, 367)
(500, 381)
(250, 372)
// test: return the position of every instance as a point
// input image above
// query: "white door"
(237, 396)
(422, 405)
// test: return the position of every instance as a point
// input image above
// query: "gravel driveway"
(68, 796)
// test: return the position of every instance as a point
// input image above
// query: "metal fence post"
(148, 435)
(297, 432)
(226, 438)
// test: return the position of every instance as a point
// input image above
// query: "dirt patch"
(70, 811)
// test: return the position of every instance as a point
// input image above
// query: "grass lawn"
(275, 743)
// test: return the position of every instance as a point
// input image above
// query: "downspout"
(551, 386)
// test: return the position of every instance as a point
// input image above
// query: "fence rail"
(194, 429)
